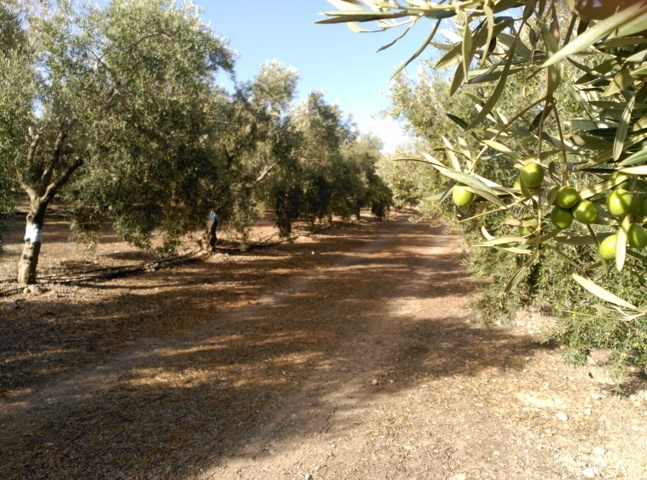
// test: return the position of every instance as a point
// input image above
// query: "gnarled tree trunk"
(33, 240)
(39, 198)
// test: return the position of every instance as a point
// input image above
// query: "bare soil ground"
(348, 354)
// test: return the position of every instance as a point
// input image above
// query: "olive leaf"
(449, 151)
(397, 39)
(517, 277)
(623, 128)
(359, 16)
(620, 82)
(466, 49)
(602, 293)
(571, 239)
(599, 31)
(641, 170)
(501, 148)
(505, 240)
(458, 120)
(419, 51)
(633, 159)
(555, 68)
(593, 190)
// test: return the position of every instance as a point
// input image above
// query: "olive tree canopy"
(109, 105)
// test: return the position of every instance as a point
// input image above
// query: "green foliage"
(330, 171)
(114, 108)
(370, 190)
(563, 86)
(153, 168)
(115, 115)
(17, 80)
(587, 326)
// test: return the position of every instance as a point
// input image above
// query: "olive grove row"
(115, 111)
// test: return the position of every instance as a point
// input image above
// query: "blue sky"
(332, 58)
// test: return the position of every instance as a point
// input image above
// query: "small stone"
(34, 290)
(588, 473)
(587, 411)
(633, 398)
(596, 396)
(460, 476)
(562, 416)
(599, 451)
(374, 381)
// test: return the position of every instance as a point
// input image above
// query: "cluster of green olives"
(619, 203)
(569, 206)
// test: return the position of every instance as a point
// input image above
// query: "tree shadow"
(211, 355)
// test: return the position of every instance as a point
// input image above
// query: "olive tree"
(111, 106)
(326, 179)
(321, 167)
(254, 136)
(371, 191)
(575, 144)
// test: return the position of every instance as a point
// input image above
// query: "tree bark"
(38, 201)
(33, 240)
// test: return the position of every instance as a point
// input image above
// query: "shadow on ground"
(229, 344)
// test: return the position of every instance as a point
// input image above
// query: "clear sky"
(342, 63)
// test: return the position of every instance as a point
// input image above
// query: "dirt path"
(348, 355)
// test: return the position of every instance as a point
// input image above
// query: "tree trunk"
(40, 197)
(33, 238)
(210, 236)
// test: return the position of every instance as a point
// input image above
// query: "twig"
(508, 123)
(561, 139)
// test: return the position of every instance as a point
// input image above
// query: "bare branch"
(31, 153)
(33, 146)
(62, 180)
(30, 191)
(46, 177)
(263, 174)
(100, 61)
